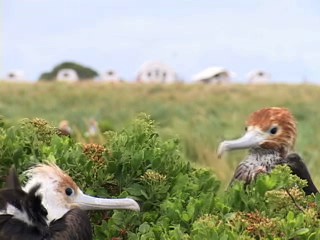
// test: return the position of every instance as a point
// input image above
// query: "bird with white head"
(60, 203)
(59, 190)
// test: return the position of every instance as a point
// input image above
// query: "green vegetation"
(83, 72)
(200, 116)
(159, 160)
(177, 201)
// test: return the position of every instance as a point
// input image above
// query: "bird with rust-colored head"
(270, 136)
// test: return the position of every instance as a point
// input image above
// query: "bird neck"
(263, 151)
(280, 152)
(55, 207)
(263, 157)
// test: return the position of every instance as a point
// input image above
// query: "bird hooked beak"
(87, 202)
(252, 138)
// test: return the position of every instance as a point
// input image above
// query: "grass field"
(199, 115)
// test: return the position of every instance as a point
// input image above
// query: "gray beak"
(252, 138)
(87, 202)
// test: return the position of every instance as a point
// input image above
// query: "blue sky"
(279, 36)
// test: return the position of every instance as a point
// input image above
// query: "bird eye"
(245, 128)
(274, 130)
(69, 191)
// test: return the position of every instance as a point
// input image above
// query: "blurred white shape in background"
(156, 72)
(214, 75)
(258, 77)
(67, 75)
(15, 76)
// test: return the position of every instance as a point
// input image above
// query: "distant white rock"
(67, 75)
(110, 76)
(156, 72)
(214, 75)
(258, 77)
(15, 76)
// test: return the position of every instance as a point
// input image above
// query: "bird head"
(268, 128)
(64, 124)
(61, 194)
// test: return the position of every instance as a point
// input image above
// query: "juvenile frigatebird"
(270, 136)
(50, 206)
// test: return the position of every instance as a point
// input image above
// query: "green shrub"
(178, 201)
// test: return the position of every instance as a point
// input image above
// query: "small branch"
(294, 201)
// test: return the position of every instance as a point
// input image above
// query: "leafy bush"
(106, 126)
(178, 201)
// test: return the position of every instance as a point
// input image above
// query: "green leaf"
(144, 228)
(143, 193)
(290, 216)
(185, 217)
(302, 231)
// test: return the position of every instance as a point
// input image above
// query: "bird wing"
(15, 229)
(244, 172)
(299, 168)
(12, 180)
(22, 215)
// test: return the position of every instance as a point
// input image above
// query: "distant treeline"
(82, 71)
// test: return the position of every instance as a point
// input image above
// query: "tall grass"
(199, 115)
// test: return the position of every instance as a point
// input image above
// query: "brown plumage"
(270, 136)
(299, 168)
(64, 129)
